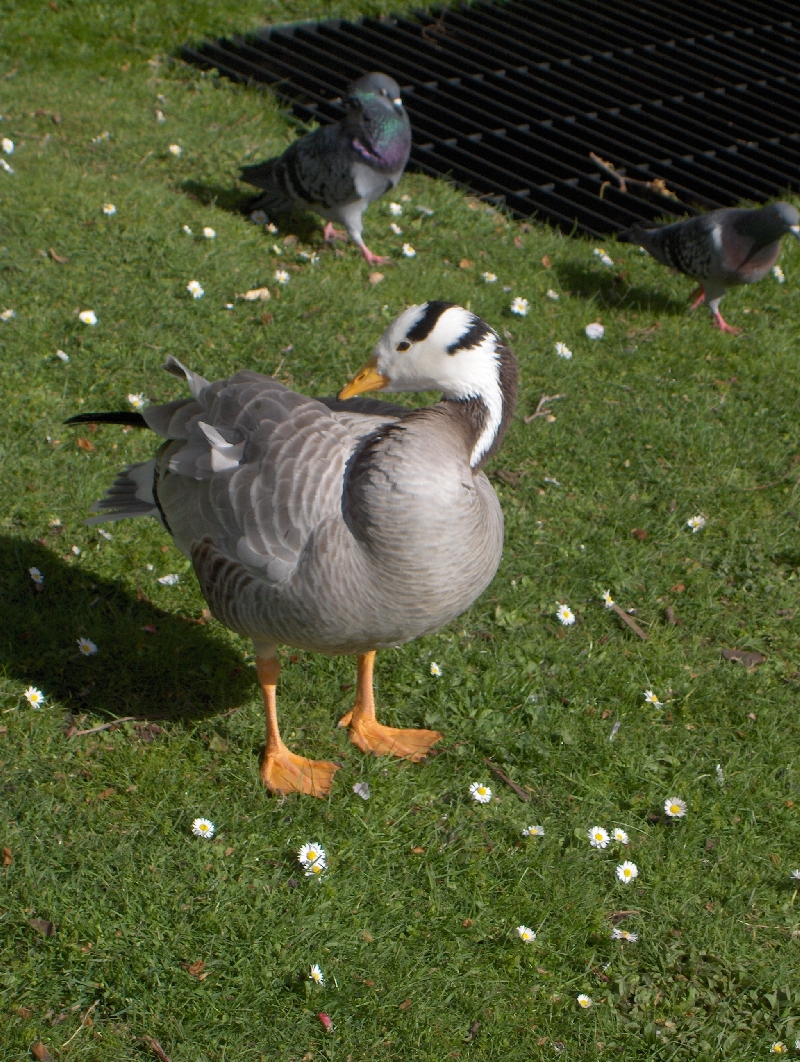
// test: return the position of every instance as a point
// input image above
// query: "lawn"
(205, 946)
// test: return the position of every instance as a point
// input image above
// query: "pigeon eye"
(403, 345)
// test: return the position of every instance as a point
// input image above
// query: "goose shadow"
(612, 289)
(237, 200)
(177, 670)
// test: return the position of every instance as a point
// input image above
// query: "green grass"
(657, 424)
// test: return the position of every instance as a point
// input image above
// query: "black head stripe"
(475, 334)
(426, 324)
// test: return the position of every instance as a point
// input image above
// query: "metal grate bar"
(508, 99)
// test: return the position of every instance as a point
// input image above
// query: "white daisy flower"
(362, 789)
(34, 697)
(316, 975)
(203, 828)
(137, 401)
(584, 1001)
(109, 209)
(175, 149)
(603, 255)
(550, 294)
(277, 249)
(779, 1048)
(103, 136)
(533, 831)
(104, 534)
(520, 307)
(259, 217)
(396, 229)
(36, 575)
(436, 671)
(796, 875)
(627, 871)
(8, 146)
(271, 229)
(194, 289)
(88, 317)
(563, 351)
(526, 935)
(566, 615)
(7, 315)
(408, 250)
(5, 166)
(316, 870)
(651, 698)
(169, 580)
(86, 647)
(595, 330)
(187, 230)
(697, 523)
(395, 209)
(624, 934)
(209, 233)
(620, 836)
(76, 550)
(490, 278)
(720, 775)
(160, 116)
(281, 276)
(608, 600)
(598, 837)
(675, 807)
(310, 853)
(779, 274)
(480, 793)
(62, 356)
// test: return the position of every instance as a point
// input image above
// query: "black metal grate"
(508, 99)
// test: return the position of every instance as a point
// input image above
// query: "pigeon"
(721, 249)
(339, 170)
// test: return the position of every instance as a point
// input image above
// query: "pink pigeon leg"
(720, 323)
(699, 296)
(373, 259)
(330, 233)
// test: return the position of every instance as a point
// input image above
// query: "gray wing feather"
(314, 170)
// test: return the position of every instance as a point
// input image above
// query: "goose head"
(440, 346)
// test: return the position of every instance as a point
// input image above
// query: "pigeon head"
(769, 223)
(439, 346)
(371, 85)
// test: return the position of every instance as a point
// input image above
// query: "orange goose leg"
(371, 736)
(281, 770)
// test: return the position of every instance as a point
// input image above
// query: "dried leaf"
(669, 615)
(511, 478)
(8, 858)
(194, 969)
(24, 1012)
(47, 929)
(465, 264)
(156, 1048)
(518, 242)
(84, 444)
(404, 1005)
(290, 240)
(418, 851)
(749, 658)
(467, 923)
(375, 278)
(678, 588)
(106, 793)
(546, 261)
(255, 295)
(229, 851)
(366, 936)
(58, 258)
(38, 1050)
(639, 533)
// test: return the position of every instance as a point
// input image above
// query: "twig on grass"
(631, 622)
(105, 726)
(540, 410)
(156, 1048)
(85, 1020)
(504, 778)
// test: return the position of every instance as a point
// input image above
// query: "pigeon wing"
(314, 170)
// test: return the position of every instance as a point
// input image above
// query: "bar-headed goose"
(338, 525)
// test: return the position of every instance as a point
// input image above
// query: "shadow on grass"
(182, 671)
(303, 224)
(612, 290)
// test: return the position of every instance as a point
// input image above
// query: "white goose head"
(439, 346)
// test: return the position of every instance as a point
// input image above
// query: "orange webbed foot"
(284, 772)
(371, 736)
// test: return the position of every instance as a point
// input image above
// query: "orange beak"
(366, 379)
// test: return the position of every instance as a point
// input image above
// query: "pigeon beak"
(795, 231)
(366, 379)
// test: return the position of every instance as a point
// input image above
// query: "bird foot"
(284, 772)
(371, 736)
(374, 259)
(720, 323)
(697, 296)
(330, 233)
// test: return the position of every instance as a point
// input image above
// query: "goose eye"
(403, 345)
